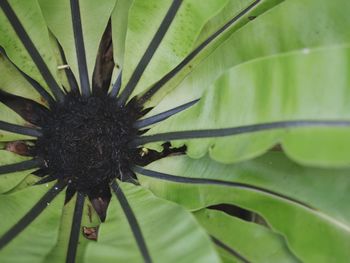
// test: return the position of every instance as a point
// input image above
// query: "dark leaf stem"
(32, 214)
(9, 127)
(80, 48)
(38, 88)
(29, 110)
(210, 133)
(151, 49)
(205, 181)
(47, 179)
(70, 76)
(229, 250)
(116, 86)
(22, 166)
(162, 116)
(75, 229)
(193, 54)
(134, 225)
(70, 192)
(33, 52)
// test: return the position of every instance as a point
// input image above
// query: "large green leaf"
(34, 242)
(291, 25)
(251, 241)
(308, 206)
(240, 14)
(169, 231)
(309, 86)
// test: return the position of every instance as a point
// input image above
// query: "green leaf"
(119, 20)
(240, 17)
(288, 26)
(35, 241)
(170, 232)
(252, 241)
(309, 85)
(221, 18)
(308, 206)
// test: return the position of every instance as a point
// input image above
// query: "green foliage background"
(280, 62)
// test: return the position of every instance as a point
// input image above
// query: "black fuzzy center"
(85, 141)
